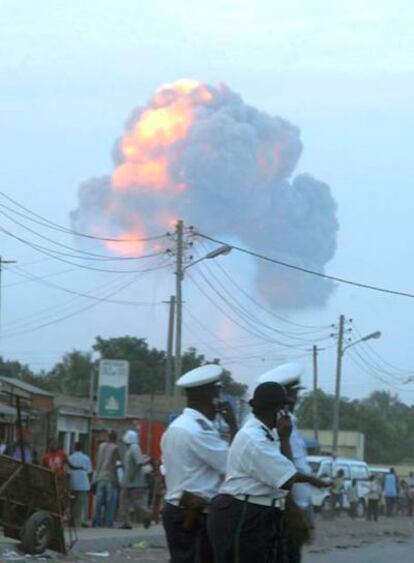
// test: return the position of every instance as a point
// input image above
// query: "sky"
(70, 74)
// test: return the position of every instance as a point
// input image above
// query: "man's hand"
(225, 410)
(319, 483)
(284, 427)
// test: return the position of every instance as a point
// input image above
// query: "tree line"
(386, 422)
(71, 375)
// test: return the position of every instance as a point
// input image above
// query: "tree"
(20, 371)
(72, 375)
(386, 422)
(146, 365)
(231, 387)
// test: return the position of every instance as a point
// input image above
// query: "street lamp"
(220, 251)
(377, 334)
(340, 354)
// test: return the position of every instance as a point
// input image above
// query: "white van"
(324, 468)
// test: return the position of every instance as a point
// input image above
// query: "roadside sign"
(113, 388)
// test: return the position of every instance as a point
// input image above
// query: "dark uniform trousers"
(242, 532)
(186, 546)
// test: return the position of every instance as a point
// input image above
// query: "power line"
(309, 271)
(55, 255)
(83, 254)
(266, 309)
(370, 350)
(247, 317)
(69, 315)
(246, 312)
(56, 226)
(247, 329)
(42, 280)
(372, 374)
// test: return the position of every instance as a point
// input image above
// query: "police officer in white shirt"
(289, 375)
(246, 518)
(194, 463)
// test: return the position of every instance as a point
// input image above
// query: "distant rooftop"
(25, 386)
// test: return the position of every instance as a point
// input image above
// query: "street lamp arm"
(220, 251)
(376, 334)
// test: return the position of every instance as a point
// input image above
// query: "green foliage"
(146, 365)
(71, 376)
(388, 424)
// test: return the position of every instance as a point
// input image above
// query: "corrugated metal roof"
(25, 386)
(7, 410)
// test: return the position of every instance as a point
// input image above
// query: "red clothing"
(55, 461)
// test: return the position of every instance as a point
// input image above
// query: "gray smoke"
(237, 164)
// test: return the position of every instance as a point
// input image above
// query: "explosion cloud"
(199, 153)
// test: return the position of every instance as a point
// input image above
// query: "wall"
(350, 444)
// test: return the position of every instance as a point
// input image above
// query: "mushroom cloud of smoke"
(199, 153)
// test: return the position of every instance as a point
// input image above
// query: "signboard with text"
(113, 388)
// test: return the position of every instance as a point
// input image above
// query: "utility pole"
(335, 424)
(179, 274)
(170, 345)
(92, 387)
(1, 270)
(315, 392)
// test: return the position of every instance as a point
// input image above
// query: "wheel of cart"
(37, 533)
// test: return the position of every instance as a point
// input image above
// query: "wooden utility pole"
(179, 274)
(335, 424)
(315, 392)
(170, 346)
(1, 270)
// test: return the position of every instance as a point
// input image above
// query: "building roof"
(25, 386)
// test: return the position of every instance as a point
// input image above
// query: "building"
(350, 444)
(37, 410)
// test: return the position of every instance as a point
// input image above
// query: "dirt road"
(339, 541)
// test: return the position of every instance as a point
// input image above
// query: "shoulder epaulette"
(268, 434)
(203, 424)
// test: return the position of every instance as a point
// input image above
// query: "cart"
(32, 507)
(34, 501)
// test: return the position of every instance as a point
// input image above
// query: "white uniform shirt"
(301, 491)
(194, 456)
(255, 464)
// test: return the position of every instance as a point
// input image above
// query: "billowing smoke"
(199, 153)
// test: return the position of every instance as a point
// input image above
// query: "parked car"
(325, 467)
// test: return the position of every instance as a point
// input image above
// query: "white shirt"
(79, 480)
(255, 464)
(194, 456)
(301, 491)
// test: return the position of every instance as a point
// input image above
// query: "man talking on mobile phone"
(194, 463)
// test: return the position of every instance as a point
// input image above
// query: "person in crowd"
(194, 463)
(289, 375)
(247, 518)
(353, 498)
(373, 497)
(337, 492)
(390, 492)
(56, 459)
(133, 485)
(410, 492)
(106, 481)
(80, 485)
(402, 499)
(30, 454)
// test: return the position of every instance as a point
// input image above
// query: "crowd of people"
(386, 495)
(126, 483)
